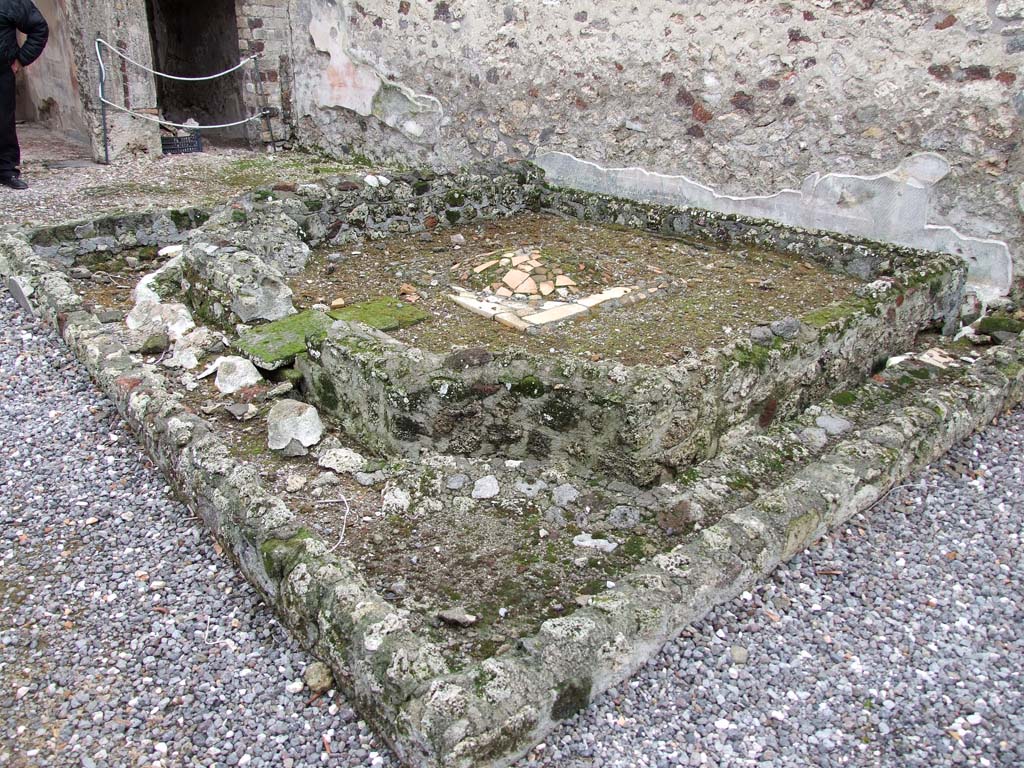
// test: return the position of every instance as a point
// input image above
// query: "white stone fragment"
(589, 542)
(834, 425)
(144, 290)
(395, 499)
(342, 460)
(292, 420)
(896, 360)
(234, 374)
(174, 318)
(486, 488)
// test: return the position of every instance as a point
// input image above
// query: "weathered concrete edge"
(494, 711)
(573, 658)
(260, 533)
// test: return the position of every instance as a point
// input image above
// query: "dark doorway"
(195, 38)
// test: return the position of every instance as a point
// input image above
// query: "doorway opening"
(195, 38)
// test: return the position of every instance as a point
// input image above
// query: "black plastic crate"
(182, 145)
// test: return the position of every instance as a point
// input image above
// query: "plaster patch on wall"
(349, 83)
(890, 207)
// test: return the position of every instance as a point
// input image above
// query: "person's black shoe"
(14, 182)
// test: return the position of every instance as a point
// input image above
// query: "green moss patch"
(844, 398)
(384, 314)
(275, 344)
(999, 322)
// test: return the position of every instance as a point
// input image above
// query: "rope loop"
(103, 77)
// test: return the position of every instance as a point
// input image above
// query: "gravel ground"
(126, 639)
(58, 192)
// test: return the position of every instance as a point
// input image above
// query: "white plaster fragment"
(587, 541)
(891, 207)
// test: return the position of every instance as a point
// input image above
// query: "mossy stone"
(276, 344)
(528, 386)
(384, 314)
(155, 344)
(573, 697)
(1000, 323)
(844, 398)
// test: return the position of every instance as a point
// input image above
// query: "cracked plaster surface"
(893, 207)
(347, 82)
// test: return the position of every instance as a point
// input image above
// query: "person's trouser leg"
(10, 152)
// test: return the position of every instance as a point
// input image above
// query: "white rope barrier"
(153, 119)
(100, 41)
(160, 121)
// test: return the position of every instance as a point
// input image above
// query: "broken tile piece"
(562, 281)
(556, 315)
(514, 278)
(517, 260)
(616, 293)
(483, 308)
(546, 288)
(607, 295)
(512, 320)
(485, 266)
(503, 292)
(529, 285)
(938, 358)
(593, 300)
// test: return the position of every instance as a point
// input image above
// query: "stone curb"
(492, 712)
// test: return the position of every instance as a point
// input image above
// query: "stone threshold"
(491, 712)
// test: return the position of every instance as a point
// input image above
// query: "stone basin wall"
(642, 423)
(418, 201)
(81, 243)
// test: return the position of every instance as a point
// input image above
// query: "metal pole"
(103, 106)
(263, 99)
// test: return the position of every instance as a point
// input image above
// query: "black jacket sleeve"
(33, 25)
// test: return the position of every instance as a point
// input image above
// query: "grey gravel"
(130, 638)
(127, 639)
(895, 641)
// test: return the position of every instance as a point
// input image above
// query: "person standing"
(16, 16)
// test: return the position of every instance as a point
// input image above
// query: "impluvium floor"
(891, 642)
